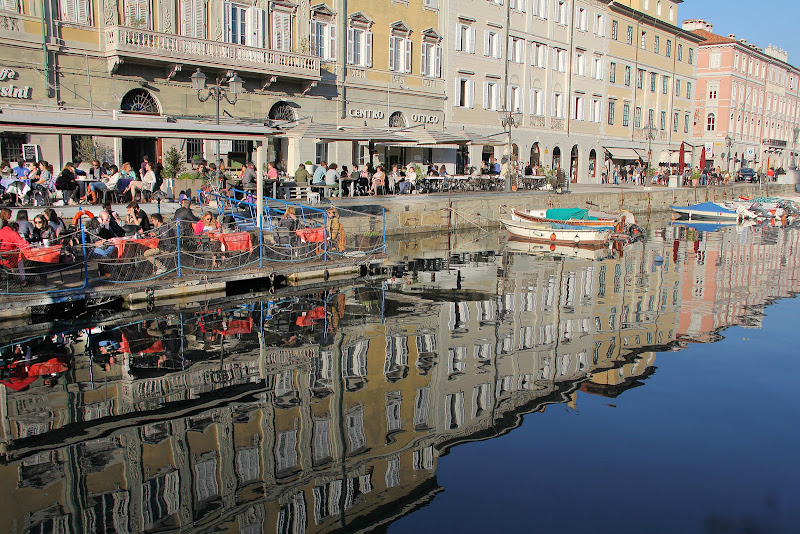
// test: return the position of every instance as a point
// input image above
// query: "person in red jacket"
(10, 245)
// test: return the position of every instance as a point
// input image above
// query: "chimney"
(732, 36)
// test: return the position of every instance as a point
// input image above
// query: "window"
(491, 95)
(581, 20)
(286, 450)
(281, 30)
(714, 60)
(516, 49)
(658, 8)
(630, 35)
(433, 4)
(595, 109)
(539, 8)
(538, 55)
(597, 68)
(465, 40)
(431, 64)
(656, 43)
(612, 72)
(680, 52)
(559, 60)
(686, 123)
(561, 12)
(194, 148)
(577, 107)
(558, 105)
(612, 104)
(628, 75)
(640, 79)
(537, 102)
(626, 114)
(518, 5)
(359, 43)
(400, 53)
(669, 48)
(653, 81)
(579, 68)
(193, 18)
(663, 120)
(691, 56)
(675, 121)
(643, 41)
(671, 13)
(515, 98)
(712, 92)
(614, 29)
(677, 87)
(651, 118)
(665, 85)
(465, 93)
(711, 122)
(491, 42)
(137, 14)
(323, 36)
(599, 25)
(689, 90)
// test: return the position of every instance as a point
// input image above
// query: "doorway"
(134, 149)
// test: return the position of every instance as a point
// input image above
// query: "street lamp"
(729, 143)
(217, 92)
(509, 120)
(650, 133)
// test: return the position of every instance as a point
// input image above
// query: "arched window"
(139, 101)
(397, 120)
(658, 8)
(282, 111)
(711, 123)
(671, 14)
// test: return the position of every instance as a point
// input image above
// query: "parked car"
(748, 174)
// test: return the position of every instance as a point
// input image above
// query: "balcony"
(143, 45)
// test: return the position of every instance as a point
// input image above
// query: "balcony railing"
(155, 46)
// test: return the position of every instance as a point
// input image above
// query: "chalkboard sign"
(31, 153)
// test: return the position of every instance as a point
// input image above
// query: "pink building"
(747, 103)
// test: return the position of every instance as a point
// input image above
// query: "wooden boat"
(588, 252)
(557, 233)
(576, 216)
(706, 210)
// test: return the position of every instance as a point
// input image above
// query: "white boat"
(576, 217)
(558, 234)
(707, 210)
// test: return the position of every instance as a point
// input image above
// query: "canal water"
(479, 385)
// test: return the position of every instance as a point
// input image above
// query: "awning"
(622, 153)
(663, 157)
(425, 137)
(333, 132)
(495, 139)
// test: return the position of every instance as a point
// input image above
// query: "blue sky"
(761, 23)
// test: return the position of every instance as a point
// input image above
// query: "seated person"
(108, 182)
(166, 242)
(10, 244)
(301, 175)
(137, 220)
(289, 219)
(334, 230)
(206, 224)
(100, 231)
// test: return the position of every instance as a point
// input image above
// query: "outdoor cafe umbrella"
(682, 158)
(702, 158)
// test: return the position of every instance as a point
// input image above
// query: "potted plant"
(369, 239)
(695, 177)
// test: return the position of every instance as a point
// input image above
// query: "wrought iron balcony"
(123, 42)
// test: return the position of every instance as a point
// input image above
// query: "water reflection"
(329, 409)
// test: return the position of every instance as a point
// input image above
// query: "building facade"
(747, 102)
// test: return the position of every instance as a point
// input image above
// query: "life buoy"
(81, 213)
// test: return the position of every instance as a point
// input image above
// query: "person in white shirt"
(107, 183)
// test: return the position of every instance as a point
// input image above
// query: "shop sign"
(774, 142)
(426, 119)
(709, 150)
(11, 90)
(357, 113)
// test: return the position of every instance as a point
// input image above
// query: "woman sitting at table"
(206, 224)
(393, 180)
(378, 182)
(289, 219)
(108, 182)
(146, 183)
(67, 185)
(10, 244)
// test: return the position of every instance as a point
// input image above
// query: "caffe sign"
(11, 90)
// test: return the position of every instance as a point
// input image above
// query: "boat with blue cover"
(707, 210)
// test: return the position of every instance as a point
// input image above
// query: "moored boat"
(706, 210)
(558, 233)
(588, 252)
(574, 216)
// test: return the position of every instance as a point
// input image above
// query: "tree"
(87, 149)
(174, 164)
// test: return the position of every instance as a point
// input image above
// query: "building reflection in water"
(329, 410)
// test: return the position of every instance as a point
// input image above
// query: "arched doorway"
(592, 164)
(536, 157)
(134, 149)
(277, 147)
(556, 158)
(573, 164)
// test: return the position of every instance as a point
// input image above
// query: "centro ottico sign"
(358, 113)
(11, 90)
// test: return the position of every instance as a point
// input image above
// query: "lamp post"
(729, 144)
(650, 133)
(509, 120)
(217, 92)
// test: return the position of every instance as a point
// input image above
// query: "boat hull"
(538, 217)
(707, 211)
(558, 234)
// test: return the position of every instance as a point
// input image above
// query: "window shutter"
(199, 19)
(368, 49)
(255, 27)
(458, 92)
(227, 17)
(350, 45)
(332, 41)
(471, 41)
(424, 67)
(392, 40)
(486, 51)
(408, 55)
(486, 95)
(437, 68)
(10, 5)
(68, 10)
(84, 12)
(459, 33)
(471, 94)
(187, 18)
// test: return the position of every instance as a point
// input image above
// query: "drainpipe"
(343, 59)
(44, 50)
(571, 23)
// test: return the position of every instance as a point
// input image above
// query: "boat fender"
(552, 237)
(577, 239)
(552, 247)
